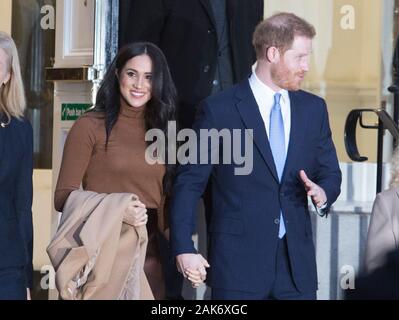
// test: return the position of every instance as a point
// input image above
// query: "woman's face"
(135, 81)
(4, 68)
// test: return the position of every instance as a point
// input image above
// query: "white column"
(74, 49)
(5, 15)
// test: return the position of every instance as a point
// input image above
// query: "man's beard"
(285, 78)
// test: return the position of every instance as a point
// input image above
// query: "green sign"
(72, 111)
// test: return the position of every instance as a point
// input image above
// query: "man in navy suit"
(261, 237)
(207, 44)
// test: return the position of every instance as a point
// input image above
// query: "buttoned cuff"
(322, 211)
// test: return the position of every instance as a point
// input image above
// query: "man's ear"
(272, 54)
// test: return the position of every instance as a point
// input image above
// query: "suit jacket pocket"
(227, 225)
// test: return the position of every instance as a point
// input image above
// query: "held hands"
(314, 191)
(192, 266)
(136, 213)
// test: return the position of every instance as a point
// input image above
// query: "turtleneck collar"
(131, 112)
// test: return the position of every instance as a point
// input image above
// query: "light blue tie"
(277, 144)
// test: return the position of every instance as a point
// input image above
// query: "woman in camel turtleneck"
(105, 149)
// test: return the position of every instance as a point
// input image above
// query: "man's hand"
(195, 277)
(192, 266)
(316, 192)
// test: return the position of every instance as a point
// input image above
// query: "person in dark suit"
(208, 47)
(382, 283)
(261, 244)
(16, 162)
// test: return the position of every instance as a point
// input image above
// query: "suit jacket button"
(277, 221)
(206, 68)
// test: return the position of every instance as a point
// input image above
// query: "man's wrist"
(323, 210)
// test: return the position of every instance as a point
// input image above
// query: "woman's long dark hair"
(158, 111)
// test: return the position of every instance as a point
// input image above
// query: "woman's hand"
(195, 278)
(136, 213)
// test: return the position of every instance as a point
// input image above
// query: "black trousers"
(153, 260)
(160, 268)
(283, 287)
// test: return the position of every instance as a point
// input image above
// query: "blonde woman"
(16, 162)
(383, 234)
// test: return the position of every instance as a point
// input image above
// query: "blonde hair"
(12, 95)
(394, 183)
(279, 31)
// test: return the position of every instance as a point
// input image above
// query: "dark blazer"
(186, 33)
(244, 224)
(381, 284)
(16, 163)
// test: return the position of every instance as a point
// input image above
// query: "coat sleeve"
(23, 199)
(261, 4)
(380, 237)
(189, 186)
(328, 175)
(143, 20)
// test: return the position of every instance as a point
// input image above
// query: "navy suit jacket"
(16, 163)
(244, 223)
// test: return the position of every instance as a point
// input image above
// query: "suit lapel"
(250, 114)
(299, 122)
(208, 9)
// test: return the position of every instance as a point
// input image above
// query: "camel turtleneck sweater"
(120, 168)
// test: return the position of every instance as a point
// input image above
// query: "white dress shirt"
(264, 97)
